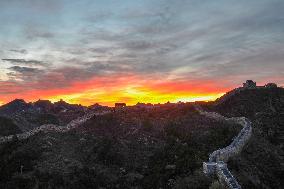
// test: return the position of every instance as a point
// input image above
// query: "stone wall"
(226, 177)
(217, 159)
(236, 146)
(50, 127)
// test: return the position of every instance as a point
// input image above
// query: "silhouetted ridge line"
(248, 85)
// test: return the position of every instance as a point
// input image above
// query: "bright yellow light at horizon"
(200, 98)
(131, 95)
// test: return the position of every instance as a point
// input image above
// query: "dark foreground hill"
(7, 127)
(260, 164)
(163, 147)
(151, 147)
(252, 102)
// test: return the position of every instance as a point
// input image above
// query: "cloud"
(162, 37)
(8, 88)
(34, 33)
(43, 5)
(99, 16)
(21, 51)
(139, 45)
(24, 74)
(24, 62)
(24, 70)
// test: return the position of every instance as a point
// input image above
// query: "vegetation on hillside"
(166, 152)
(147, 147)
(8, 127)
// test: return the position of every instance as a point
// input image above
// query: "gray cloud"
(43, 5)
(21, 51)
(101, 16)
(24, 70)
(36, 33)
(139, 45)
(24, 62)
(25, 74)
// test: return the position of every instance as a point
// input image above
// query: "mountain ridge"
(158, 146)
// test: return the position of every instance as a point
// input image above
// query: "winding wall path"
(50, 127)
(217, 159)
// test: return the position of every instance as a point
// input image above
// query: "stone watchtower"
(249, 84)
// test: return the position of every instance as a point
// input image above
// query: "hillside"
(7, 127)
(260, 164)
(28, 116)
(251, 102)
(161, 146)
(132, 148)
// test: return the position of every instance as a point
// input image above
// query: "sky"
(107, 51)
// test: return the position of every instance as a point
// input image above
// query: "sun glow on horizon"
(131, 96)
(129, 89)
(200, 98)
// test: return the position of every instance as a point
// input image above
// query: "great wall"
(50, 127)
(216, 164)
(217, 159)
